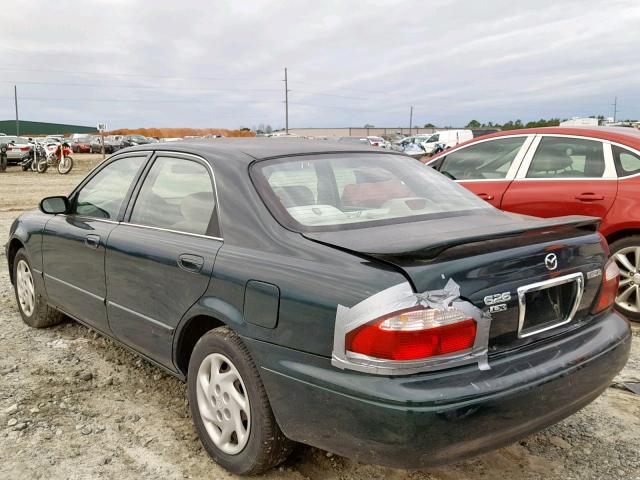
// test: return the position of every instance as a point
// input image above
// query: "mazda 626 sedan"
(341, 296)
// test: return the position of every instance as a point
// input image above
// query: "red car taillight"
(605, 245)
(414, 334)
(24, 149)
(609, 287)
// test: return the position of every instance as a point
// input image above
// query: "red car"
(80, 145)
(549, 172)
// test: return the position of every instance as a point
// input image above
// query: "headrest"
(295, 195)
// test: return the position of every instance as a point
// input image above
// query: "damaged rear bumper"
(440, 417)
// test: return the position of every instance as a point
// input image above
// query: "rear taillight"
(414, 334)
(24, 149)
(609, 287)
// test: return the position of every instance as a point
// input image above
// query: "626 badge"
(496, 302)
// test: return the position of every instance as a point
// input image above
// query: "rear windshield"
(346, 191)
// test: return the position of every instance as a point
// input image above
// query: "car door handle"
(190, 263)
(589, 197)
(485, 196)
(92, 241)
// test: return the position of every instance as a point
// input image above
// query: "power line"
(141, 87)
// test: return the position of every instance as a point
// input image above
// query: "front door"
(73, 245)
(487, 167)
(159, 262)
(565, 176)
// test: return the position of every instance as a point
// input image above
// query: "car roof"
(258, 148)
(623, 135)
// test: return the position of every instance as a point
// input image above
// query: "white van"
(446, 138)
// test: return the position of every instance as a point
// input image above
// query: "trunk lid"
(491, 255)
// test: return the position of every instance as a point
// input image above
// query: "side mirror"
(54, 205)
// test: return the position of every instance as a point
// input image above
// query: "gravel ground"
(74, 405)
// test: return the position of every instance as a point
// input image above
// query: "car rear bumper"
(440, 417)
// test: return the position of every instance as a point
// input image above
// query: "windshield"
(336, 192)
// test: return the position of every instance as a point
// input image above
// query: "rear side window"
(627, 163)
(488, 160)
(177, 194)
(558, 157)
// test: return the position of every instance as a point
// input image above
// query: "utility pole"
(15, 98)
(286, 103)
(615, 108)
(410, 119)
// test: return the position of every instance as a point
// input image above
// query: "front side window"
(558, 157)
(490, 160)
(627, 163)
(102, 196)
(337, 192)
(177, 194)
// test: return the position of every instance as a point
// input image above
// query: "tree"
(268, 129)
(368, 125)
(474, 124)
(429, 125)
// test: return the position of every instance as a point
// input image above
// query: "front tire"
(65, 165)
(230, 408)
(626, 253)
(33, 307)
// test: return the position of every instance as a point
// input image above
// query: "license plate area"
(549, 304)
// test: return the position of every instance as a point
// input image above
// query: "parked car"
(80, 144)
(17, 148)
(354, 140)
(445, 139)
(112, 144)
(378, 142)
(336, 295)
(563, 171)
(133, 140)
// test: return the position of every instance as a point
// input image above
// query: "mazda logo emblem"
(551, 261)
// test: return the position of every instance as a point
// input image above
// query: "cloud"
(220, 64)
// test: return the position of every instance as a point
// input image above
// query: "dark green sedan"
(341, 296)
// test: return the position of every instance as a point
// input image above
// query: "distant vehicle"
(132, 140)
(17, 148)
(170, 139)
(354, 140)
(446, 138)
(80, 144)
(378, 142)
(112, 144)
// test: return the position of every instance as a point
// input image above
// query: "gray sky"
(220, 63)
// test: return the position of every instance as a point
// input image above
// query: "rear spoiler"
(424, 243)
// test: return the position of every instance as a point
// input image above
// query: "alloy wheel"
(223, 403)
(25, 288)
(628, 260)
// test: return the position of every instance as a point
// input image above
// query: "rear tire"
(33, 307)
(221, 370)
(626, 253)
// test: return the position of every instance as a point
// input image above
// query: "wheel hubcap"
(26, 291)
(628, 260)
(223, 403)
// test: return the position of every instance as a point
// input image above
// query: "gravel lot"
(74, 405)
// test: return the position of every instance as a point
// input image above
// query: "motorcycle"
(3, 157)
(59, 158)
(36, 160)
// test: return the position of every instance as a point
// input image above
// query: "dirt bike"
(60, 158)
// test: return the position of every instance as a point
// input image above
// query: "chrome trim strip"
(578, 278)
(97, 297)
(143, 317)
(171, 231)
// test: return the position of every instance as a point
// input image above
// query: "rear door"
(159, 260)
(486, 167)
(564, 175)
